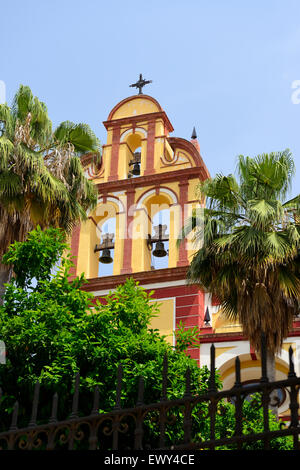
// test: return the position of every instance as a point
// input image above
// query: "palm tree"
(41, 178)
(249, 257)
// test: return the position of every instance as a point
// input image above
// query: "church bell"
(159, 237)
(136, 164)
(106, 258)
(136, 171)
(159, 250)
(105, 247)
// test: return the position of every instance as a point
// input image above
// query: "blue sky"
(226, 68)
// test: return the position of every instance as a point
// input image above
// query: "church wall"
(170, 171)
(140, 122)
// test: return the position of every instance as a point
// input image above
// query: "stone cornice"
(150, 180)
(134, 120)
(179, 142)
(235, 336)
(143, 277)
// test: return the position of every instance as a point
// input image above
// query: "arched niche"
(152, 208)
(109, 214)
(106, 226)
(162, 217)
(132, 149)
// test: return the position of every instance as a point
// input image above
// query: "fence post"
(162, 412)
(294, 406)
(238, 402)
(138, 434)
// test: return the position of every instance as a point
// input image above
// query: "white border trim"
(113, 200)
(100, 293)
(170, 193)
(130, 131)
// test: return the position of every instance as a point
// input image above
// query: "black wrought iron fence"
(153, 426)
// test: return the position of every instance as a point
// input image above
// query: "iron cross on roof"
(140, 83)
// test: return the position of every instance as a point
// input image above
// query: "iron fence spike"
(74, 413)
(35, 404)
(141, 386)
(164, 378)
(291, 363)
(263, 355)
(237, 372)
(95, 409)
(187, 383)
(212, 378)
(14, 421)
(119, 387)
(53, 418)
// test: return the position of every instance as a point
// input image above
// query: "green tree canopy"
(52, 331)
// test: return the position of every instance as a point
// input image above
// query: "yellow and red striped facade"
(170, 171)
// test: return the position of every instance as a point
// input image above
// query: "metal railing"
(148, 426)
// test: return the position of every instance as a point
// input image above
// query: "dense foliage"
(52, 331)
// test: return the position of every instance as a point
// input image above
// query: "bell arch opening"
(107, 242)
(160, 231)
(102, 231)
(132, 155)
(155, 224)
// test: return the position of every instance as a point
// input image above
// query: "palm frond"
(79, 135)
(41, 177)
(250, 253)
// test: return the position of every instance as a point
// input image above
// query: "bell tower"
(146, 186)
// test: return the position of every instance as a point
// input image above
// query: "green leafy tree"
(41, 178)
(249, 256)
(252, 423)
(52, 331)
(187, 337)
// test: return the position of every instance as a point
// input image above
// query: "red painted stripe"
(174, 291)
(188, 321)
(182, 315)
(183, 198)
(150, 149)
(253, 353)
(189, 310)
(194, 353)
(74, 250)
(127, 268)
(114, 154)
(218, 338)
(187, 295)
(206, 330)
(187, 300)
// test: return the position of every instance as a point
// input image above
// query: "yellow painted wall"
(141, 106)
(164, 157)
(222, 325)
(165, 322)
(135, 107)
(87, 259)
